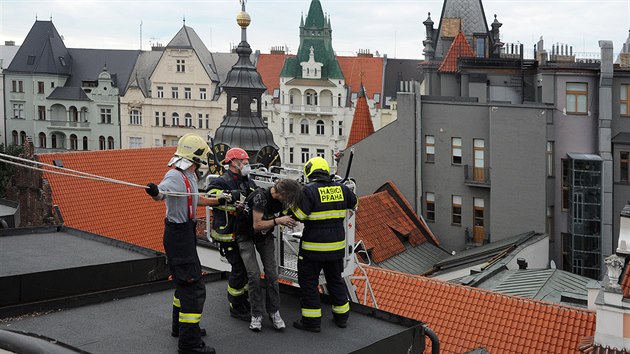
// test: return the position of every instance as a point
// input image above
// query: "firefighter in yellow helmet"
(322, 210)
(180, 240)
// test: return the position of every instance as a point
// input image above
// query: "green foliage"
(7, 170)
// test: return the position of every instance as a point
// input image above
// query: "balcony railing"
(310, 109)
(477, 176)
(69, 124)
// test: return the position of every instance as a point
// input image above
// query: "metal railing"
(477, 175)
(69, 124)
(310, 109)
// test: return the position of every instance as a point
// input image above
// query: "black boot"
(176, 333)
(201, 349)
(300, 325)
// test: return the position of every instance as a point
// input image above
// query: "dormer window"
(311, 69)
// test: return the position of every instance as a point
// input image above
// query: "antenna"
(140, 34)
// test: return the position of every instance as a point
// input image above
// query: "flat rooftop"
(30, 253)
(141, 324)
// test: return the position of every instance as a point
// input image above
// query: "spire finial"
(184, 19)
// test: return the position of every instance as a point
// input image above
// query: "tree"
(7, 170)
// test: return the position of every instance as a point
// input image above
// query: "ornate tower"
(242, 124)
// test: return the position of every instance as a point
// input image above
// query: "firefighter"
(180, 240)
(236, 185)
(322, 210)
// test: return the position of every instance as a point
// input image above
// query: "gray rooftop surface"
(141, 324)
(415, 260)
(32, 253)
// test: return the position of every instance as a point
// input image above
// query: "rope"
(84, 175)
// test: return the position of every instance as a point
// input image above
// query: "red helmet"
(235, 153)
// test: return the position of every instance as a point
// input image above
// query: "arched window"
(188, 120)
(85, 143)
(53, 141)
(101, 143)
(110, 143)
(320, 127)
(14, 134)
(304, 126)
(234, 104)
(339, 100)
(175, 119)
(42, 140)
(73, 142)
(74, 114)
(22, 137)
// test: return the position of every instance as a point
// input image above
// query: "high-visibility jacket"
(322, 210)
(223, 226)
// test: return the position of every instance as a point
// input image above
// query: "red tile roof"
(625, 280)
(466, 318)
(362, 126)
(587, 345)
(117, 211)
(269, 67)
(363, 70)
(459, 49)
(380, 218)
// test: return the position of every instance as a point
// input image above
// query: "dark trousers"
(308, 278)
(237, 280)
(190, 292)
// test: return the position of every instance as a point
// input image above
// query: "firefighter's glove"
(235, 196)
(152, 190)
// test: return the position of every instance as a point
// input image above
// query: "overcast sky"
(393, 27)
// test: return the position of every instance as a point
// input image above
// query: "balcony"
(308, 109)
(477, 176)
(68, 124)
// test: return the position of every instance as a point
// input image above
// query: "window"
(40, 87)
(304, 126)
(550, 159)
(106, 115)
(340, 128)
(429, 143)
(202, 94)
(14, 135)
(52, 85)
(321, 153)
(157, 119)
(41, 112)
(13, 86)
(339, 100)
(175, 119)
(290, 125)
(135, 142)
(110, 143)
(17, 86)
(187, 93)
(174, 92)
(188, 120)
(22, 137)
(290, 154)
(305, 155)
(623, 166)
(20, 86)
(266, 121)
(74, 145)
(478, 212)
(566, 184)
(200, 120)
(480, 50)
(624, 100)
(101, 143)
(320, 127)
(85, 143)
(207, 121)
(53, 141)
(456, 210)
(456, 148)
(577, 94)
(181, 65)
(163, 119)
(430, 206)
(42, 140)
(160, 92)
(135, 118)
(18, 110)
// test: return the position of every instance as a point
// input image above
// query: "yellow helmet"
(191, 148)
(316, 164)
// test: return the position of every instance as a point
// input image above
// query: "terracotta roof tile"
(466, 318)
(459, 49)
(363, 70)
(117, 211)
(269, 67)
(362, 126)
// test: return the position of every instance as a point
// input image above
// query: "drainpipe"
(605, 147)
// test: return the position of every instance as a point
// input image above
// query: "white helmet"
(191, 149)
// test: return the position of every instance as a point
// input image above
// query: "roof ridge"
(481, 291)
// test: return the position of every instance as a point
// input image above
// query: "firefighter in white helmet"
(180, 240)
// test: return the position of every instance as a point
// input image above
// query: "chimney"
(157, 47)
(364, 53)
(9, 43)
(277, 50)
